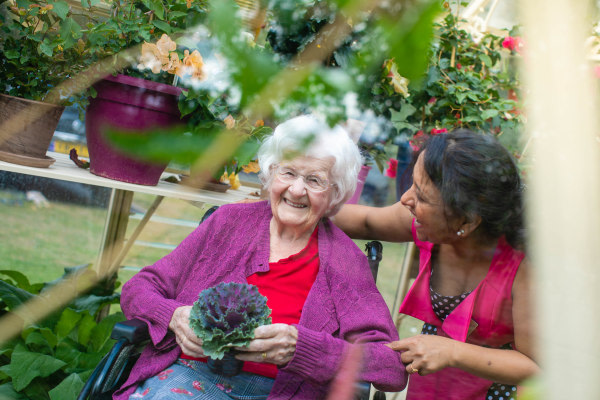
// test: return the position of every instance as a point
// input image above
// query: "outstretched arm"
(390, 224)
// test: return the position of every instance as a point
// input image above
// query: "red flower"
(513, 43)
(392, 168)
(435, 131)
(458, 65)
(198, 386)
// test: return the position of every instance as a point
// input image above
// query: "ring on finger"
(414, 370)
(264, 355)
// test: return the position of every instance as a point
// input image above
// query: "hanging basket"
(129, 105)
(26, 129)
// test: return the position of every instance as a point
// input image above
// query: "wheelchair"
(132, 336)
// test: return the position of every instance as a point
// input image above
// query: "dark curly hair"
(477, 176)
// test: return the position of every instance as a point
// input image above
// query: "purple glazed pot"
(130, 104)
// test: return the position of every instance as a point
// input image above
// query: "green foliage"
(42, 44)
(52, 359)
(467, 84)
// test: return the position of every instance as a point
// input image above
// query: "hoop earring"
(460, 232)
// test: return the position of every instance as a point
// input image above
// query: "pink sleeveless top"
(484, 317)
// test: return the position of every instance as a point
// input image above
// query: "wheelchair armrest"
(133, 331)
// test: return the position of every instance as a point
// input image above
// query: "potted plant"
(140, 39)
(43, 44)
(225, 316)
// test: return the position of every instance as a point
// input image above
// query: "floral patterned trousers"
(188, 379)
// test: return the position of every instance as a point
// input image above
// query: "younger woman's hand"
(274, 344)
(190, 344)
(425, 354)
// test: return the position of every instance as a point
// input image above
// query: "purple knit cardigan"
(342, 306)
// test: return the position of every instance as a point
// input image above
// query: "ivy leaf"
(67, 389)
(406, 110)
(26, 366)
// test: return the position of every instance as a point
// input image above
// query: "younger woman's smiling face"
(292, 204)
(424, 201)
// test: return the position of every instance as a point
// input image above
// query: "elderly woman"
(463, 212)
(317, 282)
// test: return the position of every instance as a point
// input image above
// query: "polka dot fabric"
(442, 307)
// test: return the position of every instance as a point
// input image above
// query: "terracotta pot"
(360, 184)
(128, 104)
(26, 129)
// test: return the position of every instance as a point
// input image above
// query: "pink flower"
(435, 131)
(392, 168)
(513, 43)
(432, 100)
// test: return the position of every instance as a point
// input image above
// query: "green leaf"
(11, 54)
(156, 6)
(406, 111)
(70, 30)
(67, 322)
(8, 392)
(85, 327)
(100, 335)
(61, 8)
(93, 303)
(68, 389)
(163, 26)
(36, 341)
(26, 366)
(13, 296)
(410, 38)
(486, 114)
(486, 60)
(45, 48)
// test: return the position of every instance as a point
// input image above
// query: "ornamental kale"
(226, 315)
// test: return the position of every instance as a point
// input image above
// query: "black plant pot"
(227, 366)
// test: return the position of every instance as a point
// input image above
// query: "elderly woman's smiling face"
(294, 202)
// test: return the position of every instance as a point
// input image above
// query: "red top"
(285, 285)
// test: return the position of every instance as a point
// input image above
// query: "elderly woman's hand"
(190, 344)
(274, 344)
(425, 354)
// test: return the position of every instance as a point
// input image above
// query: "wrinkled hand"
(184, 335)
(274, 344)
(425, 354)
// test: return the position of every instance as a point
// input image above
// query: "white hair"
(307, 136)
